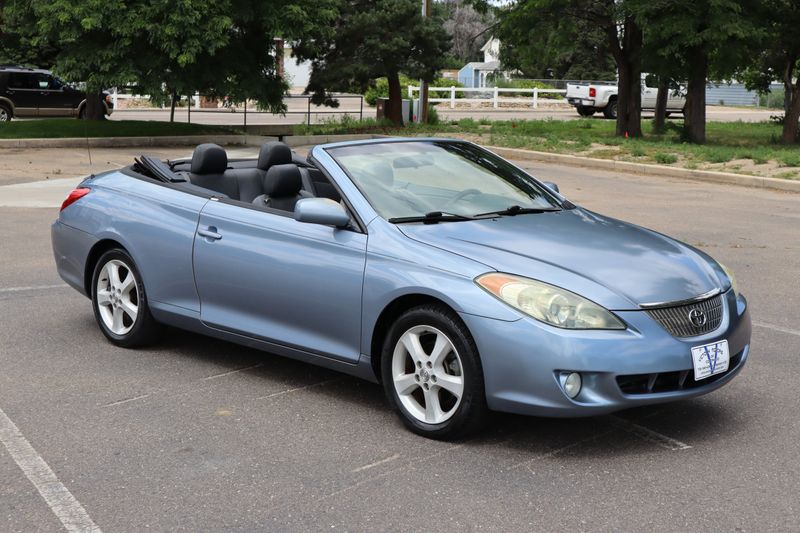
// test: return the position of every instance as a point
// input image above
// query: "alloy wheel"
(427, 374)
(117, 297)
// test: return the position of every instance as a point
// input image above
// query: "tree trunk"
(94, 109)
(628, 56)
(694, 124)
(661, 105)
(174, 100)
(394, 108)
(790, 120)
(791, 104)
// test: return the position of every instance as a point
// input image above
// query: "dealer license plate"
(710, 359)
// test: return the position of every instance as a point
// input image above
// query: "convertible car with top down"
(457, 280)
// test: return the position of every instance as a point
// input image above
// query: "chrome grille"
(677, 321)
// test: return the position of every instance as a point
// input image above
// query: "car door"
(265, 275)
(24, 93)
(649, 91)
(56, 101)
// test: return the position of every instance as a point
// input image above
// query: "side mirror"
(552, 186)
(321, 211)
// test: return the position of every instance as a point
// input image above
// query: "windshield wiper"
(519, 210)
(432, 217)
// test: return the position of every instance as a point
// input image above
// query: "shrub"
(665, 159)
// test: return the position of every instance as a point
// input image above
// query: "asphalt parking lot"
(197, 434)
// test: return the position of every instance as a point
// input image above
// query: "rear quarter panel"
(154, 223)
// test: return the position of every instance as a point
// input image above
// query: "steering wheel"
(460, 196)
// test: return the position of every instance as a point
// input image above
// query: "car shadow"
(692, 422)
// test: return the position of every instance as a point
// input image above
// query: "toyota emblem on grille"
(697, 317)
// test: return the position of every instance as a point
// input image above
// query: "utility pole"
(427, 6)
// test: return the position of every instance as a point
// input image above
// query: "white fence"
(487, 93)
(117, 96)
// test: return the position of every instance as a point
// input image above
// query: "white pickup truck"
(589, 98)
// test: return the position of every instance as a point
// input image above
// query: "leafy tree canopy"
(371, 39)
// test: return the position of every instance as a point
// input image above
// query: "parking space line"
(234, 371)
(304, 387)
(777, 328)
(126, 400)
(655, 437)
(33, 288)
(376, 463)
(60, 500)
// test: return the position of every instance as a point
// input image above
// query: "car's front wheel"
(432, 373)
(5, 113)
(120, 302)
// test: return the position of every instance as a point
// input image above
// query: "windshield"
(415, 178)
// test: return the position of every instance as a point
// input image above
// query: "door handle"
(210, 233)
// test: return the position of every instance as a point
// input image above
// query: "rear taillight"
(108, 98)
(592, 92)
(74, 196)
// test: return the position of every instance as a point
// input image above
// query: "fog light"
(572, 385)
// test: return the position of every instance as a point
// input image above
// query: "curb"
(126, 142)
(711, 176)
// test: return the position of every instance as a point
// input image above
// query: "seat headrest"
(283, 180)
(209, 159)
(273, 153)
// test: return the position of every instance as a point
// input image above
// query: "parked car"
(590, 98)
(26, 92)
(456, 279)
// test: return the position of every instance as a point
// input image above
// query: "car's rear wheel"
(610, 110)
(432, 373)
(5, 113)
(585, 111)
(120, 302)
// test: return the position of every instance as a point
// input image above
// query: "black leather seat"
(210, 170)
(209, 163)
(273, 153)
(282, 188)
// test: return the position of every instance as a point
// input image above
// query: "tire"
(414, 382)
(667, 114)
(610, 111)
(586, 111)
(82, 113)
(5, 113)
(120, 308)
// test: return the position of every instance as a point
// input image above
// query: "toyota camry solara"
(433, 266)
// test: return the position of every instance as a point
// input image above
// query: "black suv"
(27, 92)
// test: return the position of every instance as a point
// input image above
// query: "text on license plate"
(710, 359)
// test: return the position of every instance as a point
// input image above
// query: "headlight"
(547, 303)
(731, 277)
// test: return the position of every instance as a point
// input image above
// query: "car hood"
(614, 263)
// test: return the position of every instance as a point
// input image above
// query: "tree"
(219, 48)
(371, 39)
(467, 28)
(543, 44)
(618, 22)
(779, 60)
(707, 38)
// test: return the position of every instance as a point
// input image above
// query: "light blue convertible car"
(457, 280)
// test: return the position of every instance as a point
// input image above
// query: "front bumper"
(524, 361)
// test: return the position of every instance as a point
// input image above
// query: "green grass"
(726, 141)
(66, 127)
